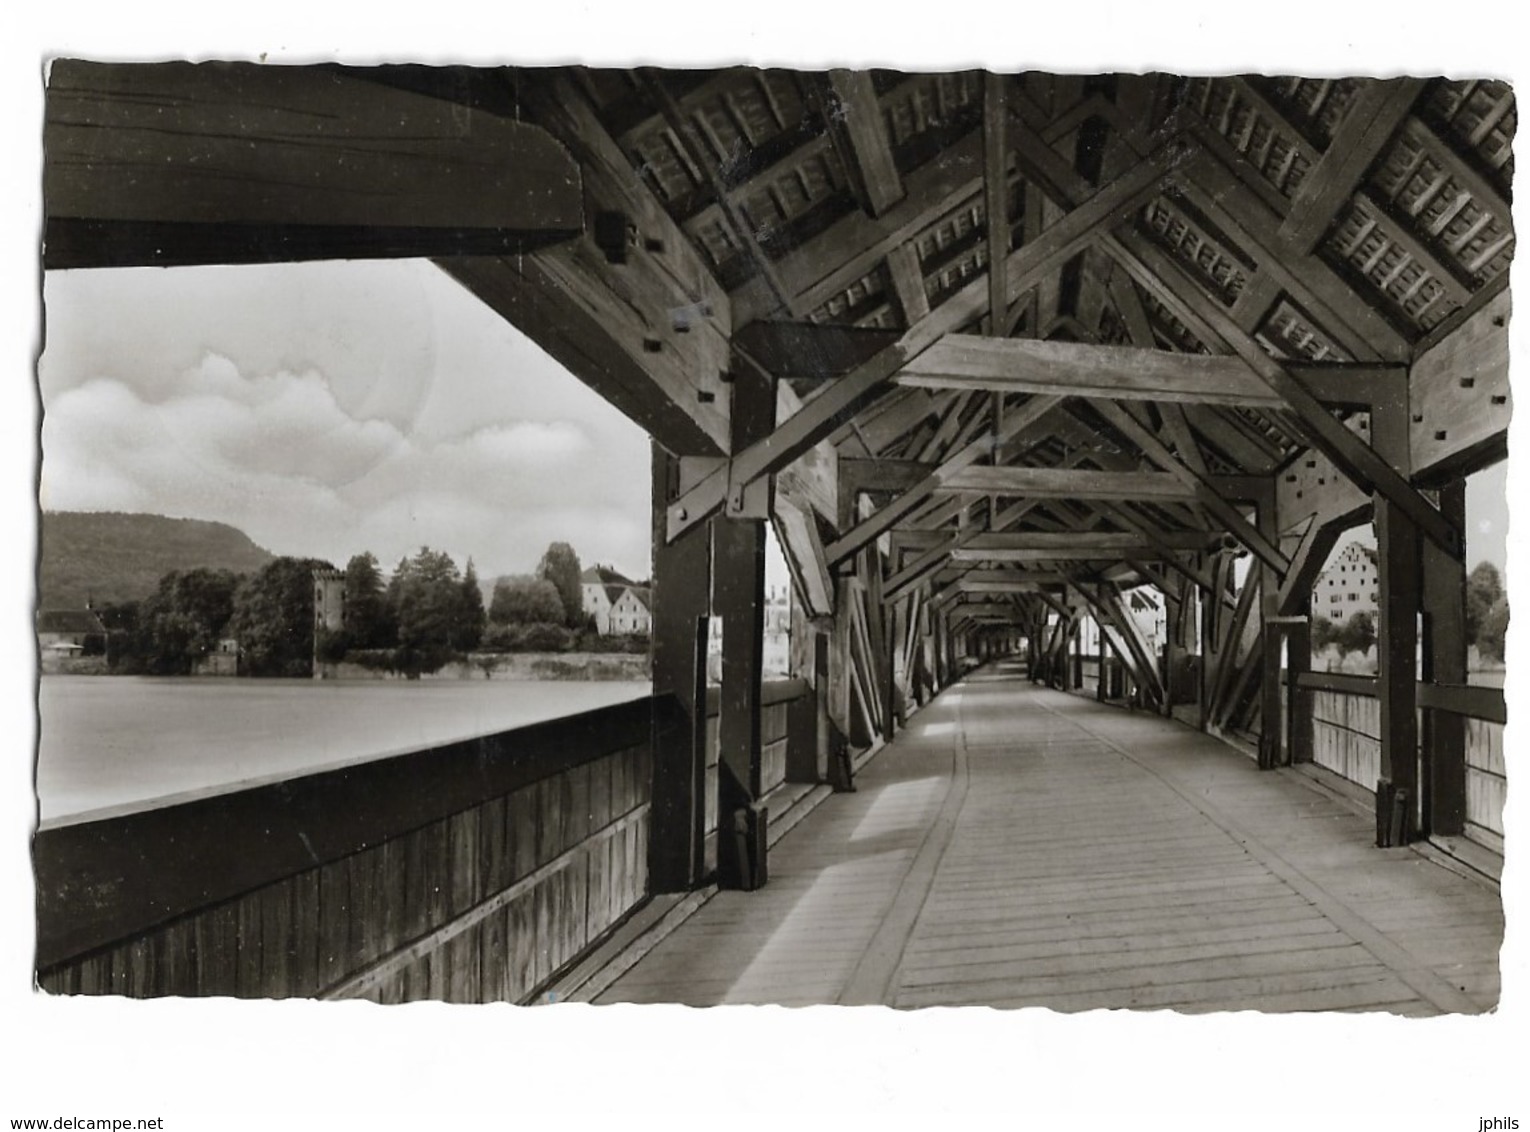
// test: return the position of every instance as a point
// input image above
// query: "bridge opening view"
(732, 536)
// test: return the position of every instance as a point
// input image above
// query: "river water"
(110, 744)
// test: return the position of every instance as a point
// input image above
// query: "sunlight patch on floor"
(901, 806)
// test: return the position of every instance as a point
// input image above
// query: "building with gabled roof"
(1350, 585)
(616, 602)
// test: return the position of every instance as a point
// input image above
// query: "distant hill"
(115, 557)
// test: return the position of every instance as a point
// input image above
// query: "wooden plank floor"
(1017, 846)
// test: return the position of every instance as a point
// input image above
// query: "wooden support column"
(1101, 690)
(682, 584)
(1396, 646)
(1299, 734)
(1444, 783)
(823, 640)
(738, 597)
(1271, 718)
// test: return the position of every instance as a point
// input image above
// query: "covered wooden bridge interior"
(996, 355)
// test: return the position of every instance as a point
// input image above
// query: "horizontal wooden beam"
(885, 518)
(786, 348)
(1058, 483)
(1465, 699)
(187, 163)
(1124, 373)
(1141, 549)
(1026, 266)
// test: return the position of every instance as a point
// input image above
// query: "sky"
(331, 408)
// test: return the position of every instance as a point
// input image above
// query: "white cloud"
(278, 455)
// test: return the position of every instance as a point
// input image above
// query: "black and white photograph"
(967, 549)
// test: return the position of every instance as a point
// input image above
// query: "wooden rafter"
(1321, 429)
(996, 197)
(1202, 490)
(685, 131)
(1025, 265)
(871, 528)
(859, 132)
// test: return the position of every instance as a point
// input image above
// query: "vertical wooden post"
(1400, 562)
(738, 597)
(1445, 646)
(1396, 648)
(1271, 718)
(1210, 600)
(681, 591)
(1299, 738)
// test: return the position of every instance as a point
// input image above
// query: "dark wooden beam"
(1374, 115)
(682, 573)
(1398, 558)
(1444, 656)
(160, 164)
(996, 197)
(859, 131)
(561, 299)
(908, 283)
(809, 349)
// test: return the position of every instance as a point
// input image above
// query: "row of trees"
(428, 613)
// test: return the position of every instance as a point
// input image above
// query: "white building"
(618, 604)
(1349, 585)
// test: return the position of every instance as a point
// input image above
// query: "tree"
(369, 623)
(1495, 628)
(1324, 633)
(525, 600)
(184, 618)
(273, 617)
(426, 599)
(560, 566)
(1484, 586)
(1357, 635)
(471, 619)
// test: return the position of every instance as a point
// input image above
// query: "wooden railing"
(788, 735)
(1347, 726)
(468, 872)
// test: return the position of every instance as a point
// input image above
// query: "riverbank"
(477, 666)
(515, 666)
